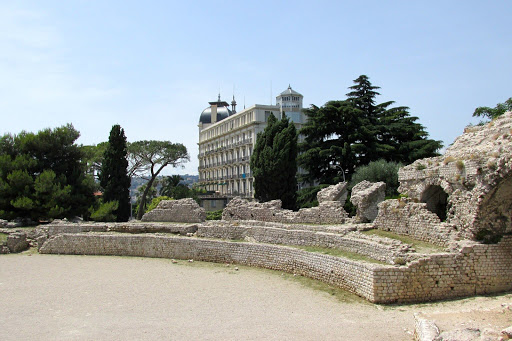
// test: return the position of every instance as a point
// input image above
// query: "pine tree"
(43, 176)
(274, 163)
(114, 177)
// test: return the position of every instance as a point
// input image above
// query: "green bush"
(214, 215)
(156, 201)
(105, 211)
(376, 171)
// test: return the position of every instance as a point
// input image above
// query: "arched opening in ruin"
(436, 199)
(494, 214)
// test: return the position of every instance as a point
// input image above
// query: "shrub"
(105, 211)
(214, 215)
(376, 171)
(156, 201)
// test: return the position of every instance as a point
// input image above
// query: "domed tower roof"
(222, 112)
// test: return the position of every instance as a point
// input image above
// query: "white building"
(226, 143)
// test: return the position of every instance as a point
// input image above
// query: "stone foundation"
(472, 269)
(382, 249)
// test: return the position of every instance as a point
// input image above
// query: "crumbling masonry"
(460, 203)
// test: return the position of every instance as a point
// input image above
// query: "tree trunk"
(142, 205)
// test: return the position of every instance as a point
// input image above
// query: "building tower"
(226, 143)
(290, 101)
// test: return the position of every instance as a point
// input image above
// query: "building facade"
(226, 143)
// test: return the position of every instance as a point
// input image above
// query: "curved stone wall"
(472, 269)
(351, 275)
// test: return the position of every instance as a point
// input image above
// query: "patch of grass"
(3, 237)
(448, 160)
(420, 246)
(339, 253)
(460, 165)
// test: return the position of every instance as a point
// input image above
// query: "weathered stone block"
(366, 196)
(17, 242)
(336, 192)
(183, 210)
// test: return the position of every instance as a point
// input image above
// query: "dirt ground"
(52, 297)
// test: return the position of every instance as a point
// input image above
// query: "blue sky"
(152, 66)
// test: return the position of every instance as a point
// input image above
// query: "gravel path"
(51, 297)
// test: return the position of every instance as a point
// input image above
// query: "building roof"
(222, 111)
(290, 91)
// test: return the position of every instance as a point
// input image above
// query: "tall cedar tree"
(274, 163)
(114, 177)
(343, 135)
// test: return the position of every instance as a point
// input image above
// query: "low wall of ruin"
(329, 212)
(382, 249)
(415, 220)
(351, 275)
(474, 269)
(346, 238)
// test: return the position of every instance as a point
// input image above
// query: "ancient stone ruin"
(183, 210)
(366, 196)
(469, 188)
(459, 204)
(329, 211)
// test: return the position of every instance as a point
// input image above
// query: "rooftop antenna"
(244, 102)
(233, 102)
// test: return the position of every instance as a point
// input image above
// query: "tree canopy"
(114, 179)
(42, 175)
(492, 113)
(151, 157)
(375, 171)
(274, 162)
(345, 134)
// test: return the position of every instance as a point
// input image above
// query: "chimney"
(214, 113)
